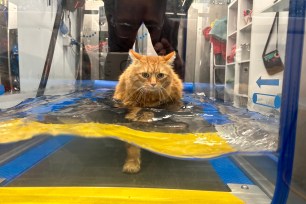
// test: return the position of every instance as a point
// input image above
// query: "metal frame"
(290, 99)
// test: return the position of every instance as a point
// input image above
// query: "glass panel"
(144, 96)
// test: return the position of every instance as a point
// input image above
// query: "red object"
(206, 33)
(231, 57)
(72, 5)
(79, 4)
(247, 12)
(219, 47)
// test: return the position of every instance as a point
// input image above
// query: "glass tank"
(156, 101)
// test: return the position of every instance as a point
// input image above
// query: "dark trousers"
(124, 18)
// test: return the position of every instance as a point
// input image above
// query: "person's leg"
(154, 18)
(168, 43)
(163, 31)
(124, 18)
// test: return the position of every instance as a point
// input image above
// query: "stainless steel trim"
(261, 181)
(250, 194)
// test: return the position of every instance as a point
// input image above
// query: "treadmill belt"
(98, 163)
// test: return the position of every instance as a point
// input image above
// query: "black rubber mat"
(98, 162)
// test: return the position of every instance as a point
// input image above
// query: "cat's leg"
(146, 117)
(176, 106)
(132, 115)
(132, 162)
(136, 114)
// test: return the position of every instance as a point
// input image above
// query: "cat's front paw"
(146, 117)
(131, 116)
(131, 166)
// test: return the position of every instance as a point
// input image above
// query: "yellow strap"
(183, 145)
(83, 195)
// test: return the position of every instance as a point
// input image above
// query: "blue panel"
(53, 107)
(105, 84)
(213, 116)
(27, 160)
(2, 90)
(40, 109)
(210, 112)
(188, 87)
(229, 172)
(290, 99)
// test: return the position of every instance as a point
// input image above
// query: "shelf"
(247, 27)
(244, 61)
(239, 34)
(230, 87)
(242, 95)
(233, 35)
(233, 5)
(281, 5)
(230, 83)
(230, 64)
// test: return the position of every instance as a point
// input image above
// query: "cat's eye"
(160, 75)
(145, 75)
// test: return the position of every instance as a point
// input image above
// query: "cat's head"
(151, 72)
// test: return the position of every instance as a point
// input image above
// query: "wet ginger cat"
(148, 82)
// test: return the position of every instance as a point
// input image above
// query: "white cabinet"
(247, 83)
(239, 31)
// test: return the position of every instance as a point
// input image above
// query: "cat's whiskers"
(139, 98)
(139, 94)
(134, 92)
(160, 97)
(145, 96)
(167, 94)
(162, 93)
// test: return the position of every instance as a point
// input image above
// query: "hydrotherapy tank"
(237, 139)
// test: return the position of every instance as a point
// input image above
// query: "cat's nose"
(153, 85)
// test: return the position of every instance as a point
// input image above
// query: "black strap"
(277, 23)
(271, 31)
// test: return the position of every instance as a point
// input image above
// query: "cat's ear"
(169, 58)
(134, 55)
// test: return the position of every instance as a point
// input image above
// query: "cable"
(48, 62)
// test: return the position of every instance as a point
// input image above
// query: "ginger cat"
(148, 82)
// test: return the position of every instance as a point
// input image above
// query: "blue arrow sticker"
(267, 82)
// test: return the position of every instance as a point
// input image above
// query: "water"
(241, 129)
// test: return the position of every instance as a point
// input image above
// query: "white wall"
(191, 43)
(35, 21)
(200, 15)
(262, 23)
(12, 20)
(91, 27)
